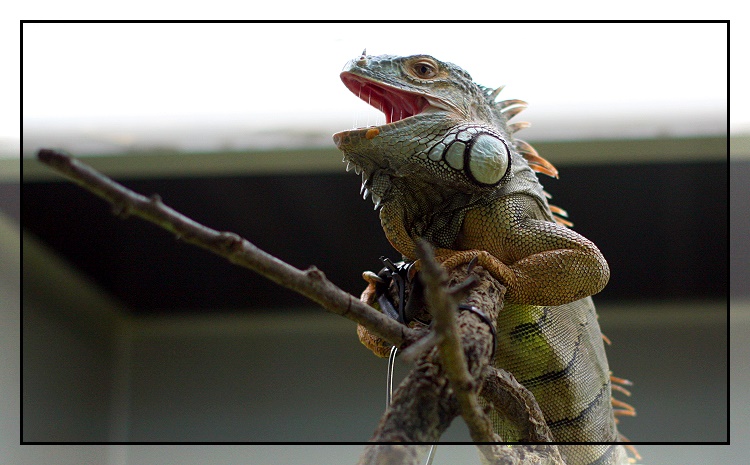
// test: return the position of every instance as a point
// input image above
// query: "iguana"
(447, 168)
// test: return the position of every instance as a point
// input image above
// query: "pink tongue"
(394, 105)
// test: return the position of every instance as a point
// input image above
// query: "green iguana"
(447, 168)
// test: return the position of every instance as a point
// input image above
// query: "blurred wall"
(100, 375)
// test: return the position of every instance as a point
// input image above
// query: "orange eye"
(425, 69)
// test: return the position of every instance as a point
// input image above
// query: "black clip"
(485, 319)
(399, 274)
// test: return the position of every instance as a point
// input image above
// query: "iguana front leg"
(539, 261)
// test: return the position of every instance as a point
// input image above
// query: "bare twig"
(311, 283)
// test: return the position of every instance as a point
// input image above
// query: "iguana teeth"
(348, 166)
(362, 189)
(365, 178)
(357, 169)
(366, 194)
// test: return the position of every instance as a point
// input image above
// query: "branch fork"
(453, 363)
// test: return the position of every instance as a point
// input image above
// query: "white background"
(581, 80)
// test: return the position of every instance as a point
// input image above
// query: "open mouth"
(395, 104)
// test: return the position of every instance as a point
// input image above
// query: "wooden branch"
(506, 395)
(394, 454)
(477, 338)
(542, 454)
(449, 373)
(447, 376)
(311, 283)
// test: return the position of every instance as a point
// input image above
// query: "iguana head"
(402, 87)
(440, 126)
(446, 142)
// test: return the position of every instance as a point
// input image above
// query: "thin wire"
(389, 394)
(389, 377)
(431, 454)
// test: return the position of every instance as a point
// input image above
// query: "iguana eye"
(425, 69)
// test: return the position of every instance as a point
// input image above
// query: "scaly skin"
(446, 168)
